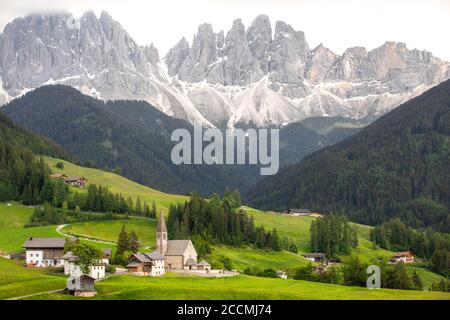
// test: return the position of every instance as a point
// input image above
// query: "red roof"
(403, 254)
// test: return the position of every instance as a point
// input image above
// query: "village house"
(405, 257)
(298, 212)
(81, 286)
(178, 254)
(79, 182)
(96, 271)
(58, 176)
(315, 257)
(106, 255)
(44, 252)
(146, 264)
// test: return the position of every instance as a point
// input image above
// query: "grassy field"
(16, 280)
(250, 257)
(238, 287)
(12, 232)
(145, 229)
(296, 228)
(427, 276)
(117, 184)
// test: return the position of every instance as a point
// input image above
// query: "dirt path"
(36, 294)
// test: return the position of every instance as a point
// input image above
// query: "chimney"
(30, 238)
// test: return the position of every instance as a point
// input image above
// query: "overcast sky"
(338, 24)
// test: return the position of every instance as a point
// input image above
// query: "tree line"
(219, 221)
(333, 235)
(428, 244)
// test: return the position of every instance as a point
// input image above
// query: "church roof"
(161, 224)
(177, 247)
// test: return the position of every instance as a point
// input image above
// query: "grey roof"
(107, 251)
(74, 179)
(69, 256)
(176, 247)
(203, 263)
(154, 256)
(148, 257)
(191, 262)
(161, 224)
(38, 243)
(142, 257)
(299, 210)
(314, 255)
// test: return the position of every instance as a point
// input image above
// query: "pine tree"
(154, 210)
(134, 244)
(123, 243)
(138, 207)
(417, 281)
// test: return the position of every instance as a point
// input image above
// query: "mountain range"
(398, 166)
(246, 76)
(135, 137)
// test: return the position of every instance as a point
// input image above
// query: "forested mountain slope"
(130, 135)
(397, 166)
(22, 176)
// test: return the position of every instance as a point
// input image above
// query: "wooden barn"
(81, 286)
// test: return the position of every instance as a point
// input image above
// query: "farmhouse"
(82, 286)
(315, 257)
(79, 182)
(178, 254)
(71, 268)
(298, 212)
(58, 176)
(405, 257)
(146, 264)
(44, 252)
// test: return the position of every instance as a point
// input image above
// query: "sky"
(338, 24)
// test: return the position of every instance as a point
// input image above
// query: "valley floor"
(18, 281)
(177, 287)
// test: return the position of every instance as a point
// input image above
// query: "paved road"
(61, 226)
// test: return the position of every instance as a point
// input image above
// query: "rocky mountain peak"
(176, 55)
(259, 38)
(243, 75)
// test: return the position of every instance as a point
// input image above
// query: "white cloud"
(337, 24)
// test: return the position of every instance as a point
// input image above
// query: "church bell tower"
(161, 235)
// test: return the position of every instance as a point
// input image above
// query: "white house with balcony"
(72, 269)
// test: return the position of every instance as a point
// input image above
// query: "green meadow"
(145, 229)
(12, 232)
(117, 183)
(175, 287)
(17, 280)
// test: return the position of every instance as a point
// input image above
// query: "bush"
(110, 269)
(60, 165)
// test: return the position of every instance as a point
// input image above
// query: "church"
(178, 254)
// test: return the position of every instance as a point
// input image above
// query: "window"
(31, 255)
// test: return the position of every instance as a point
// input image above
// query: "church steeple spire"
(161, 235)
